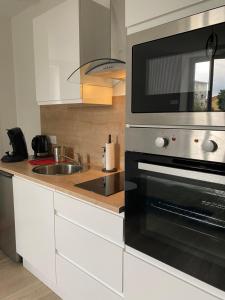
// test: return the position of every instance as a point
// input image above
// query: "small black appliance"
(18, 144)
(41, 145)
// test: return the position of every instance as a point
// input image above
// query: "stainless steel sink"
(58, 169)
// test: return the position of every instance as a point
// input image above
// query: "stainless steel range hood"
(107, 67)
(102, 43)
(105, 72)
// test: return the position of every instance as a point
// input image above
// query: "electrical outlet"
(53, 139)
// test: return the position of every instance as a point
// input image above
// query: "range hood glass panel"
(105, 72)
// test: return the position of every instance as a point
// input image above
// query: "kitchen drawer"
(100, 221)
(94, 254)
(150, 282)
(76, 284)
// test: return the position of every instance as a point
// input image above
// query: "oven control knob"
(209, 146)
(161, 142)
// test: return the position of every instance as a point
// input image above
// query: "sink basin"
(57, 169)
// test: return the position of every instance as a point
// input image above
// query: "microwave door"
(176, 75)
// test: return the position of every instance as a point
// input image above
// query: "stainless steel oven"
(176, 73)
(175, 199)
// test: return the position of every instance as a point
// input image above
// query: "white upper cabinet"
(56, 48)
(143, 10)
(65, 37)
(144, 14)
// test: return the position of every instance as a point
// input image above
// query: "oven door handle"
(195, 175)
(218, 224)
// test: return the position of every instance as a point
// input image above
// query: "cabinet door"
(34, 222)
(143, 10)
(56, 51)
(145, 281)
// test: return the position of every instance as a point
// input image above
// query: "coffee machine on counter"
(18, 143)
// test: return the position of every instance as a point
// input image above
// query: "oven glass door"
(180, 73)
(177, 217)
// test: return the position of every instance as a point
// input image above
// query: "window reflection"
(201, 85)
(205, 92)
(218, 91)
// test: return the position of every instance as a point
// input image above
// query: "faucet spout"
(76, 161)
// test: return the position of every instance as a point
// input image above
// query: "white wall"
(28, 112)
(7, 92)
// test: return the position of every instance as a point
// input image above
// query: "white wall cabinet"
(56, 51)
(143, 10)
(34, 222)
(145, 281)
(145, 14)
(65, 37)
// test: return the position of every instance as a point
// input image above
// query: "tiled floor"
(16, 283)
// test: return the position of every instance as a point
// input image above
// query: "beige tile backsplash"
(86, 128)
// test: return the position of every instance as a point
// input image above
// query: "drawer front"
(102, 222)
(149, 282)
(97, 256)
(76, 284)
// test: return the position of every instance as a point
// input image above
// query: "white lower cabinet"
(78, 248)
(89, 246)
(94, 254)
(34, 222)
(144, 281)
(75, 248)
(75, 284)
(96, 219)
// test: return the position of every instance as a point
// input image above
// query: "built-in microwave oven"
(176, 73)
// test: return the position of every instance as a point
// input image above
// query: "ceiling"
(10, 8)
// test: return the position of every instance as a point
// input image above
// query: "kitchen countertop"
(65, 184)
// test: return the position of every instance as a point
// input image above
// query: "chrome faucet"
(59, 155)
(77, 161)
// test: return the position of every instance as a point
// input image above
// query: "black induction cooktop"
(106, 186)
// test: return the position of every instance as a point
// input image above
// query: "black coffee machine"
(18, 144)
